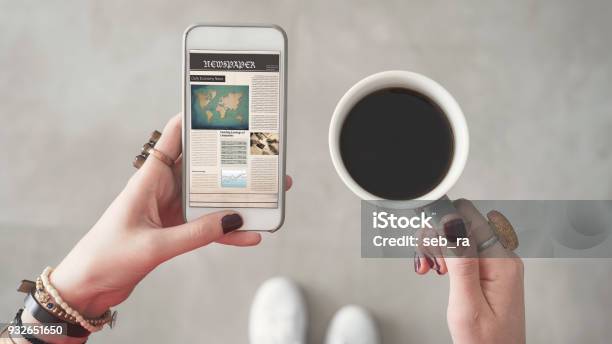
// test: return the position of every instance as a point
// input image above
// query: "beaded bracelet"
(91, 325)
(44, 297)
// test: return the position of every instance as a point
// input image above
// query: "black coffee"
(396, 144)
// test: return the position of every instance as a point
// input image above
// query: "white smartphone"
(234, 114)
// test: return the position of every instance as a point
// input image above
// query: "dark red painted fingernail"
(430, 261)
(436, 265)
(455, 229)
(231, 222)
(417, 262)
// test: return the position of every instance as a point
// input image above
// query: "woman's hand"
(142, 228)
(486, 302)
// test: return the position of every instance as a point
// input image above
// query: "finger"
(463, 266)
(168, 144)
(443, 269)
(288, 182)
(500, 269)
(240, 239)
(479, 229)
(434, 253)
(425, 261)
(170, 141)
(180, 239)
(421, 266)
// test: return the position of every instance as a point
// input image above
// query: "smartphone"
(234, 122)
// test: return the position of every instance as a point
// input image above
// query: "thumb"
(197, 233)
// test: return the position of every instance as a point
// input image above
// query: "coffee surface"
(396, 144)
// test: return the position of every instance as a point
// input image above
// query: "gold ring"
(161, 157)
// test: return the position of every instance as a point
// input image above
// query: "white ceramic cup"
(430, 89)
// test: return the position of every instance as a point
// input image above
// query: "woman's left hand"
(142, 228)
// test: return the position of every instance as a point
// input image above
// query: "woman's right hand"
(142, 228)
(486, 300)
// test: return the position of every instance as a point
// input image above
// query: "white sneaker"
(278, 314)
(352, 325)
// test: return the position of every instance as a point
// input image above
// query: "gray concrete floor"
(533, 78)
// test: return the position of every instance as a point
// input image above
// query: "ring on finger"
(488, 243)
(147, 149)
(159, 155)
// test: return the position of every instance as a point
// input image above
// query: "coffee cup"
(369, 146)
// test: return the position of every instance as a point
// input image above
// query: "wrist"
(75, 286)
(27, 318)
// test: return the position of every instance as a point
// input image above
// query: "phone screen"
(234, 128)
